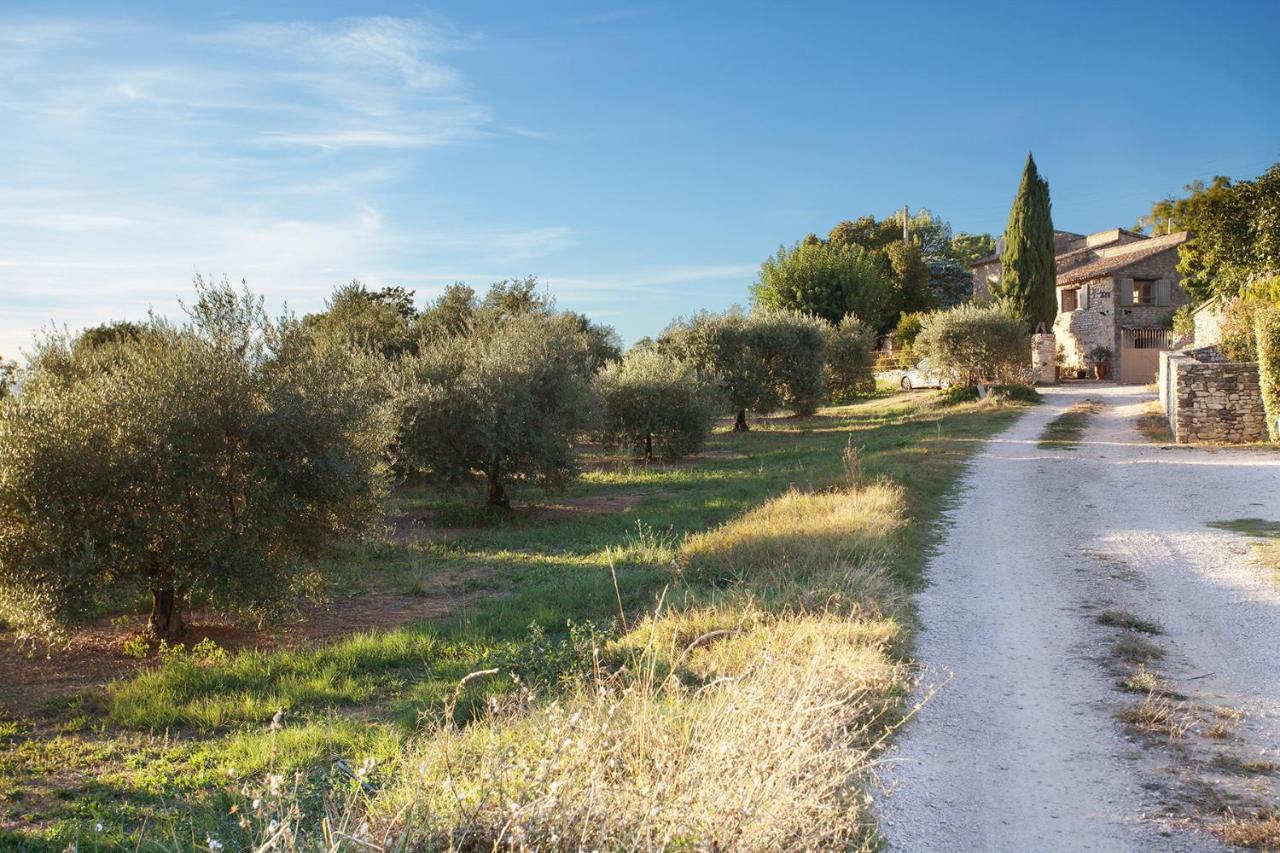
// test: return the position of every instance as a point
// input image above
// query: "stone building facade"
(1208, 398)
(1116, 289)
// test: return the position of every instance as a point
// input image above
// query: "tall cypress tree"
(1027, 266)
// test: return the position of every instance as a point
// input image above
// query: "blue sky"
(642, 159)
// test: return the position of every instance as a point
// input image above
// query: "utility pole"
(906, 217)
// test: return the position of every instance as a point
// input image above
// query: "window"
(1070, 299)
(1144, 291)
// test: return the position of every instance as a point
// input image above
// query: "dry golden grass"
(819, 548)
(747, 717)
(766, 750)
(1260, 831)
(1160, 715)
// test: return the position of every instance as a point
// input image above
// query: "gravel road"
(1020, 749)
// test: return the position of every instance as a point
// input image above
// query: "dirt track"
(1020, 748)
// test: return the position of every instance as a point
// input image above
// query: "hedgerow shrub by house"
(654, 405)
(212, 459)
(976, 343)
(1267, 330)
(850, 359)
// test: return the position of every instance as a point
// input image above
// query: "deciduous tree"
(827, 280)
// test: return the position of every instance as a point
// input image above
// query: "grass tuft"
(1143, 680)
(1132, 647)
(1159, 715)
(1260, 831)
(1066, 431)
(1128, 622)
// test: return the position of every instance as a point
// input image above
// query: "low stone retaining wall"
(1211, 399)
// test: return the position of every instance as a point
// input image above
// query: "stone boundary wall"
(1210, 399)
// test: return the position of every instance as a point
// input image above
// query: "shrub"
(1239, 329)
(653, 403)
(850, 359)
(904, 338)
(954, 395)
(215, 458)
(976, 343)
(1267, 330)
(507, 400)
(826, 279)
(1184, 324)
(1099, 355)
(1017, 393)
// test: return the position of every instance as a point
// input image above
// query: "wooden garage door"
(1140, 354)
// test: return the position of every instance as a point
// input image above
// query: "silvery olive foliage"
(210, 460)
(976, 343)
(655, 405)
(507, 400)
(850, 357)
(760, 361)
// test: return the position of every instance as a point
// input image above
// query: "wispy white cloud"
(273, 152)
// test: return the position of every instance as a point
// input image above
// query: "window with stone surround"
(1144, 291)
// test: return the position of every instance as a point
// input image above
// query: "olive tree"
(654, 404)
(215, 458)
(381, 321)
(8, 377)
(791, 345)
(975, 343)
(724, 348)
(506, 400)
(850, 357)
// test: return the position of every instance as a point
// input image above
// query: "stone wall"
(1210, 399)
(1208, 319)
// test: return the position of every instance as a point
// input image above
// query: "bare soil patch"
(31, 678)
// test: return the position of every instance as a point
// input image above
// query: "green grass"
(1265, 548)
(1258, 527)
(1128, 622)
(171, 747)
(1067, 430)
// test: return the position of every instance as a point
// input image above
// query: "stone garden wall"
(1211, 399)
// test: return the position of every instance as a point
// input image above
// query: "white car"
(923, 376)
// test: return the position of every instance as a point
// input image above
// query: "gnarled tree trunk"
(166, 621)
(497, 494)
(740, 422)
(648, 447)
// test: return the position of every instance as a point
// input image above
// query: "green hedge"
(1267, 329)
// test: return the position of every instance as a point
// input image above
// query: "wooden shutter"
(1163, 291)
(1126, 291)
(1084, 296)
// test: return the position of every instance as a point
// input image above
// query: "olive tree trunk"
(497, 494)
(166, 621)
(740, 422)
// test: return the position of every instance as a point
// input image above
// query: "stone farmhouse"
(1116, 289)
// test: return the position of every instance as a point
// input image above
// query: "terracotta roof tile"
(1116, 258)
